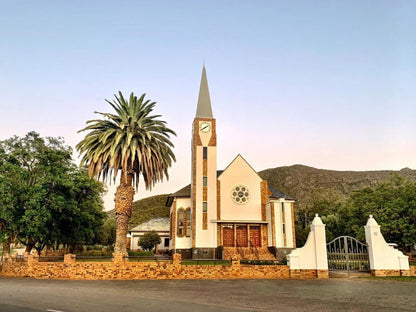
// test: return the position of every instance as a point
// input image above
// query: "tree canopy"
(392, 203)
(131, 140)
(45, 199)
(149, 240)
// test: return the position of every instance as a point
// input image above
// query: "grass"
(205, 262)
(95, 260)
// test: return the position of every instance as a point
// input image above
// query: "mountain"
(301, 181)
(298, 181)
(146, 209)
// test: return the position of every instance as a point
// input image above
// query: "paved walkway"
(207, 295)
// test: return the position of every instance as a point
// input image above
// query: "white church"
(230, 212)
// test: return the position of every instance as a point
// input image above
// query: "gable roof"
(186, 192)
(156, 224)
(239, 156)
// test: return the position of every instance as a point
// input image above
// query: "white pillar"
(382, 256)
(320, 243)
(313, 255)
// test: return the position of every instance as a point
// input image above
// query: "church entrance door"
(241, 235)
(255, 237)
(228, 236)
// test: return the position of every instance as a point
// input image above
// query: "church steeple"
(204, 109)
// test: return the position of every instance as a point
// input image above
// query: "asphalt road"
(207, 295)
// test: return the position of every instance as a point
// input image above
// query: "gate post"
(313, 255)
(384, 259)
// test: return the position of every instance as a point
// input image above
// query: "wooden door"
(242, 236)
(228, 237)
(255, 236)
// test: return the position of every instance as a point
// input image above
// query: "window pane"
(204, 181)
(180, 222)
(205, 152)
(204, 207)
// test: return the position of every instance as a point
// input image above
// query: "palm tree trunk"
(124, 204)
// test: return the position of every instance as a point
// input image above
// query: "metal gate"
(345, 253)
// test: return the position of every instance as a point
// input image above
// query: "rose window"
(240, 194)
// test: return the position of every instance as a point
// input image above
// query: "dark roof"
(183, 192)
(186, 192)
(278, 194)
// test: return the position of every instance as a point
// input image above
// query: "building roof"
(156, 224)
(204, 109)
(278, 194)
(186, 192)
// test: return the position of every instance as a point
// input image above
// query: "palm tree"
(133, 142)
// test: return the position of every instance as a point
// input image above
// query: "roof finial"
(204, 109)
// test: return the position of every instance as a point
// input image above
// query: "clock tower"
(204, 176)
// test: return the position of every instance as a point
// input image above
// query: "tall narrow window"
(283, 208)
(284, 228)
(180, 222)
(188, 222)
(205, 152)
(204, 207)
(204, 181)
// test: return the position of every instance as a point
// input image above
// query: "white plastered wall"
(134, 240)
(182, 242)
(278, 218)
(381, 255)
(313, 254)
(206, 238)
(240, 172)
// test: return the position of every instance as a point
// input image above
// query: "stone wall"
(119, 269)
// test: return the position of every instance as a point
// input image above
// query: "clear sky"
(329, 84)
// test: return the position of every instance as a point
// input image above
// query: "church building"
(230, 212)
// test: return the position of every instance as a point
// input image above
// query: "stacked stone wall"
(120, 269)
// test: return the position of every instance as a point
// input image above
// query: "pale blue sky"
(330, 84)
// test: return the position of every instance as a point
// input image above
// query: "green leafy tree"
(108, 232)
(149, 240)
(393, 205)
(45, 199)
(328, 203)
(12, 178)
(131, 141)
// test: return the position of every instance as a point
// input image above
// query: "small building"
(159, 225)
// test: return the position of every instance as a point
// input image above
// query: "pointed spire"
(204, 109)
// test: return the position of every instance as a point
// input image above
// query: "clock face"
(205, 126)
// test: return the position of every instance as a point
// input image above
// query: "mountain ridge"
(299, 181)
